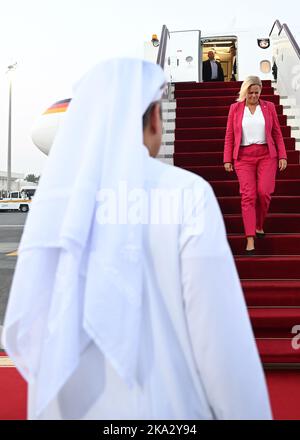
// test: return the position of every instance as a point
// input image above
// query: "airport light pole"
(10, 69)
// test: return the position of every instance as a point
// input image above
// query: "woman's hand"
(228, 167)
(282, 164)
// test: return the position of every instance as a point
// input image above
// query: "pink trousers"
(256, 172)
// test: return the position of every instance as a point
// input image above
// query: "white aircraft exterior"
(257, 52)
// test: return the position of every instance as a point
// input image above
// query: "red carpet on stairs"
(284, 388)
(210, 111)
(270, 280)
(13, 392)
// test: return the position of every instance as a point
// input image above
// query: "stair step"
(275, 293)
(212, 133)
(279, 351)
(211, 173)
(217, 101)
(212, 121)
(272, 267)
(223, 188)
(215, 85)
(272, 244)
(222, 110)
(215, 158)
(279, 204)
(228, 91)
(284, 391)
(274, 223)
(214, 145)
(275, 323)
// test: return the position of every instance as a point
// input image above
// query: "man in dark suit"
(234, 68)
(212, 69)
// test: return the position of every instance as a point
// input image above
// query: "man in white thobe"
(128, 311)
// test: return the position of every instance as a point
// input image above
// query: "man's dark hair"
(147, 114)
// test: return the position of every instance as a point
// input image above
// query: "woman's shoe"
(260, 234)
(250, 252)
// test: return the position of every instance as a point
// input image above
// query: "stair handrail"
(291, 38)
(161, 56)
(278, 24)
(284, 27)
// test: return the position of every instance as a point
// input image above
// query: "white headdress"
(77, 280)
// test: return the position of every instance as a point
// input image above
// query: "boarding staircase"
(271, 279)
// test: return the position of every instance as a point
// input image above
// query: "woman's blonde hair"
(249, 81)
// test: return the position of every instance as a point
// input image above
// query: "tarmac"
(11, 230)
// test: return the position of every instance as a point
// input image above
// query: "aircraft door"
(184, 55)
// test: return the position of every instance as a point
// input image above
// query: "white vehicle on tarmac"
(17, 201)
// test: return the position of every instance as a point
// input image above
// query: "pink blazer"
(233, 136)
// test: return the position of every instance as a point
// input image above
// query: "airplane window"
(265, 66)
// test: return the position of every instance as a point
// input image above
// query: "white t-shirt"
(254, 127)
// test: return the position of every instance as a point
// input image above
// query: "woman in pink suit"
(254, 142)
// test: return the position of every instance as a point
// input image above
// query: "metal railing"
(284, 27)
(278, 24)
(161, 57)
(290, 36)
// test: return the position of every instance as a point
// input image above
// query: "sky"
(55, 42)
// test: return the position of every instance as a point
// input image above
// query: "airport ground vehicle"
(16, 201)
